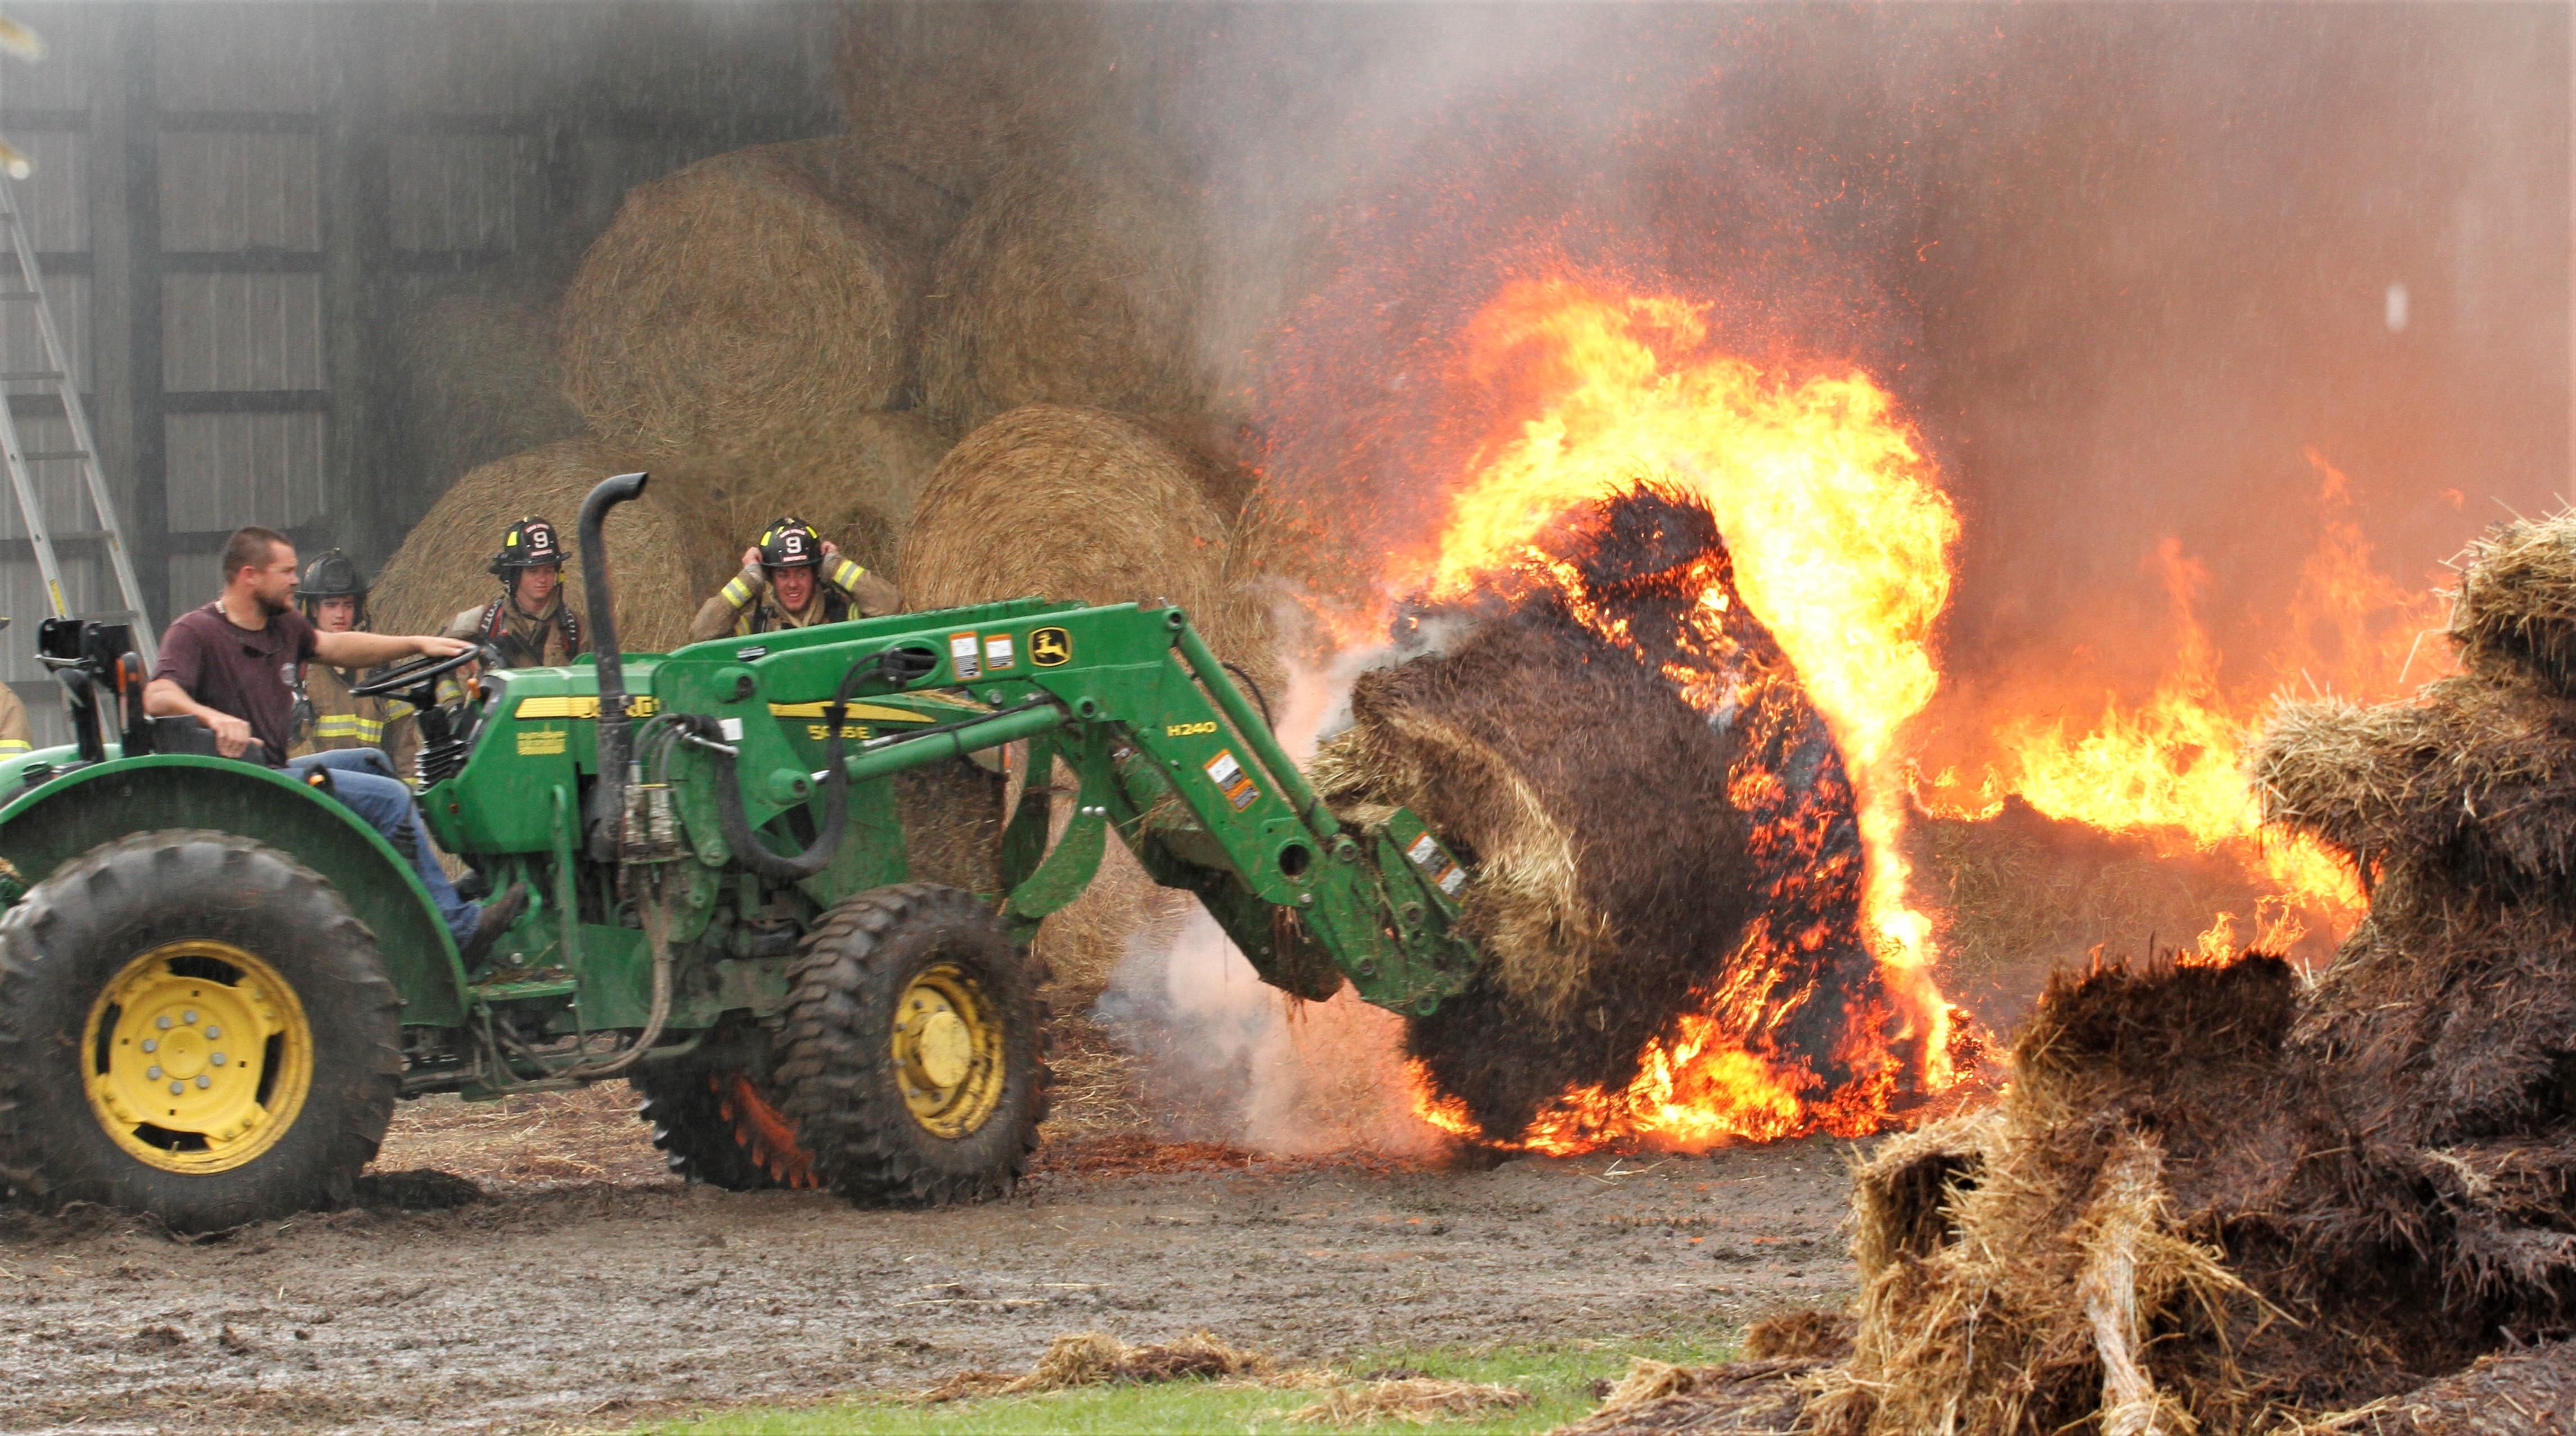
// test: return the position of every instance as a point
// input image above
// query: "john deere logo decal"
(1049, 647)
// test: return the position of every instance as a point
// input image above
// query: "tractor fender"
(71, 814)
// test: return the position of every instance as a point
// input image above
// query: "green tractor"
(216, 981)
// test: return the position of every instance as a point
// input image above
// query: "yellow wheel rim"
(948, 1051)
(197, 1057)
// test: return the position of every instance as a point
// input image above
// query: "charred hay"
(1075, 279)
(750, 302)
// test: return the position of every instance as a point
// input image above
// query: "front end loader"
(748, 902)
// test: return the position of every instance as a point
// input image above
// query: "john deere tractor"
(216, 981)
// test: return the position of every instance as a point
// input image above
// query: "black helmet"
(790, 543)
(332, 575)
(530, 543)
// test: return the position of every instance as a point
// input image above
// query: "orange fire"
(1841, 539)
(2171, 769)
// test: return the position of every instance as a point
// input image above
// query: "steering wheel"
(420, 675)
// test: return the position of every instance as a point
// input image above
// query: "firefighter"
(327, 716)
(791, 578)
(529, 624)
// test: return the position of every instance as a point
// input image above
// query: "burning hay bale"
(749, 302)
(1641, 860)
(439, 570)
(1079, 504)
(1069, 283)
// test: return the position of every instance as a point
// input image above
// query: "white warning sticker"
(997, 651)
(1427, 856)
(962, 656)
(1230, 779)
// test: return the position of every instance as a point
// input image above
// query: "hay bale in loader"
(1072, 281)
(750, 303)
(1079, 504)
(1619, 880)
(439, 570)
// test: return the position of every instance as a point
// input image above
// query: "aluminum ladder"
(27, 295)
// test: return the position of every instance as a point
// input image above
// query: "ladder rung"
(52, 454)
(18, 296)
(28, 376)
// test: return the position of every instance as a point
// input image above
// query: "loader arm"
(1165, 751)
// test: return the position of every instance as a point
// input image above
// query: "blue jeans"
(365, 782)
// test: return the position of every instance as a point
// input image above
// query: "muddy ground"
(588, 1288)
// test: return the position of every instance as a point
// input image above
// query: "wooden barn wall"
(233, 203)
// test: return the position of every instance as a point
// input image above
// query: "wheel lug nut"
(213, 1032)
(188, 1016)
(204, 1082)
(218, 1059)
(178, 1087)
(163, 1022)
(153, 1072)
(151, 1044)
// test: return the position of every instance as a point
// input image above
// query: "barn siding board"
(57, 482)
(231, 190)
(241, 332)
(227, 470)
(239, 57)
(22, 344)
(54, 201)
(458, 192)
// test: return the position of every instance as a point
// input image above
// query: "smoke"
(1241, 1062)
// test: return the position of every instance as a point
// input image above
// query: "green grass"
(1559, 1376)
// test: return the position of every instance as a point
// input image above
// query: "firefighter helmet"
(790, 543)
(530, 543)
(332, 575)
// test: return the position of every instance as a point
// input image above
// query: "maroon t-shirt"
(246, 672)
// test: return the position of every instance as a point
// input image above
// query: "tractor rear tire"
(722, 1128)
(192, 1026)
(913, 1061)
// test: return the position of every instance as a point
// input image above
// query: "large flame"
(1841, 538)
(2170, 769)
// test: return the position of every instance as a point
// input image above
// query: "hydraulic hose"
(747, 847)
(616, 748)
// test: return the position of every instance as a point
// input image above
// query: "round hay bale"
(740, 301)
(952, 92)
(480, 381)
(1069, 283)
(439, 570)
(1078, 504)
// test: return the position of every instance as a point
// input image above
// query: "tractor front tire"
(192, 1026)
(912, 1060)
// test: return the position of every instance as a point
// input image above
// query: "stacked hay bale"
(1081, 504)
(2215, 1199)
(439, 571)
(1075, 279)
(480, 381)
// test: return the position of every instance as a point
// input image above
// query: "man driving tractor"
(791, 578)
(231, 665)
(529, 625)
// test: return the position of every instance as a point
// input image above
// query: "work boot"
(497, 916)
